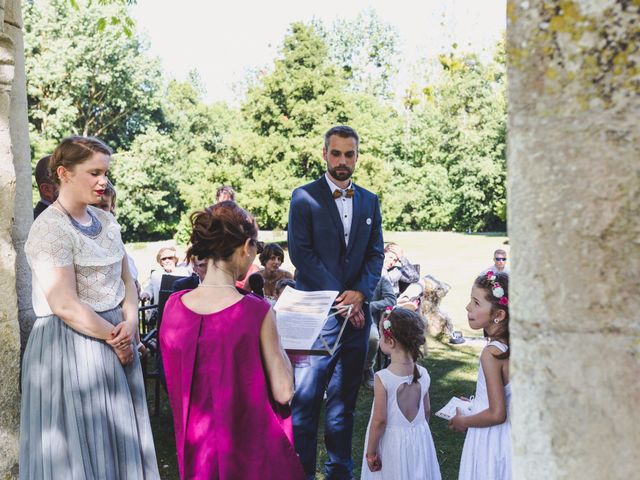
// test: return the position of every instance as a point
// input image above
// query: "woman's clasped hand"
(122, 337)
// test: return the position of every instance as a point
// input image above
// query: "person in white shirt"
(168, 260)
(499, 263)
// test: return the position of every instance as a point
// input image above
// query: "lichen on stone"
(587, 50)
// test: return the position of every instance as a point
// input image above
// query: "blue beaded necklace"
(92, 230)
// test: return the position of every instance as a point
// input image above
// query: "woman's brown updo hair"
(219, 230)
(73, 151)
(407, 328)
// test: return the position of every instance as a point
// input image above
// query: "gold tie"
(337, 193)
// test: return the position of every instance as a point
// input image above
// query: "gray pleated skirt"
(83, 416)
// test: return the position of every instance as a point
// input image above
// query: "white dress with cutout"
(406, 448)
(487, 451)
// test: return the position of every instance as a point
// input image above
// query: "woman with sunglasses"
(228, 378)
(167, 258)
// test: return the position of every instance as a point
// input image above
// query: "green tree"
(460, 126)
(287, 112)
(84, 79)
(365, 49)
(149, 203)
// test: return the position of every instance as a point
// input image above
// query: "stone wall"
(9, 336)
(574, 226)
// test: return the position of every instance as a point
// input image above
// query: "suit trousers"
(340, 376)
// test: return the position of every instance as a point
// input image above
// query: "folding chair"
(151, 339)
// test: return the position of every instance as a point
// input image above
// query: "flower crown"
(496, 289)
(386, 323)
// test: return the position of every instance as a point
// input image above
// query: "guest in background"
(401, 271)
(499, 263)
(192, 281)
(225, 193)
(108, 199)
(46, 186)
(271, 259)
(281, 285)
(167, 258)
(256, 284)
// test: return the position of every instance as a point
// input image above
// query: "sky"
(225, 40)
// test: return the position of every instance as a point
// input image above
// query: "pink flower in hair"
(504, 301)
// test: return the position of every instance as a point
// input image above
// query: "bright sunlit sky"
(223, 40)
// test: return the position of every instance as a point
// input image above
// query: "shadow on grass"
(453, 371)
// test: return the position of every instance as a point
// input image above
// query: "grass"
(453, 371)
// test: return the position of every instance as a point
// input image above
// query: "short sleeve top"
(53, 241)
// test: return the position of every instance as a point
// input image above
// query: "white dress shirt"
(345, 207)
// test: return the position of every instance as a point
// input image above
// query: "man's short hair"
(42, 171)
(342, 131)
(499, 250)
(226, 189)
(271, 249)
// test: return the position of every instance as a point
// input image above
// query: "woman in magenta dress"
(229, 380)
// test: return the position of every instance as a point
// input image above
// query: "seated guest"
(401, 271)
(168, 260)
(256, 284)
(224, 364)
(281, 285)
(46, 186)
(244, 282)
(271, 259)
(499, 263)
(193, 280)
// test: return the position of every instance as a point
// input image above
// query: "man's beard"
(341, 173)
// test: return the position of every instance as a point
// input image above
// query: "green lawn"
(453, 372)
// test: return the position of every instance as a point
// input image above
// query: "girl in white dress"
(487, 448)
(398, 443)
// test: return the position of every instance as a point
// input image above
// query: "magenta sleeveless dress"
(226, 424)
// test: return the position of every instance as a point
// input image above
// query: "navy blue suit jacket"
(316, 240)
(186, 283)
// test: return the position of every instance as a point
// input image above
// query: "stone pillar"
(9, 335)
(574, 226)
(23, 206)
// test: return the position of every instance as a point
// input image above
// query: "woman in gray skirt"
(84, 413)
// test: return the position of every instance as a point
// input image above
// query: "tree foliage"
(365, 49)
(436, 158)
(84, 81)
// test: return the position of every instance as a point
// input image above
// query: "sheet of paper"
(300, 316)
(449, 410)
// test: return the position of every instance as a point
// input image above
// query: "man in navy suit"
(335, 242)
